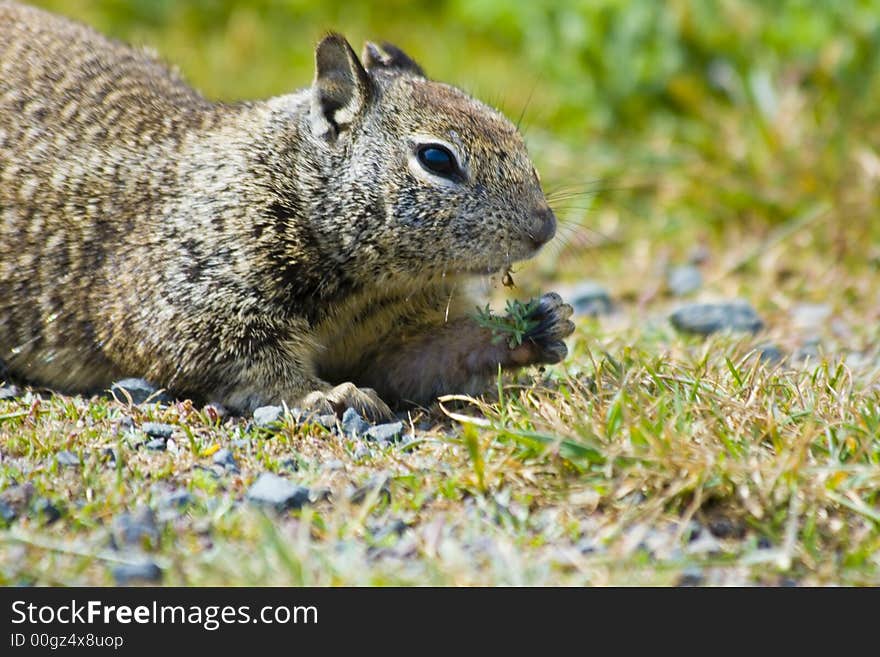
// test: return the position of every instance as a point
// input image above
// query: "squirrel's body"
(257, 252)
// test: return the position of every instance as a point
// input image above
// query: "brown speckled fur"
(258, 252)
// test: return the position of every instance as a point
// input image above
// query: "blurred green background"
(669, 117)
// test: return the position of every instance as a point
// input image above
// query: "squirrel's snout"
(543, 226)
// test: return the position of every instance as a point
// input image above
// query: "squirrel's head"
(442, 182)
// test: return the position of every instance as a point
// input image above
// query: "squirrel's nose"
(543, 226)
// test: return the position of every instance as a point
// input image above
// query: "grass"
(647, 457)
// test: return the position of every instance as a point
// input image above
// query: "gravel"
(47, 511)
(353, 425)
(381, 433)
(67, 458)
(139, 390)
(225, 458)
(360, 494)
(9, 392)
(267, 416)
(158, 430)
(770, 353)
(708, 318)
(8, 514)
(157, 444)
(328, 421)
(589, 298)
(136, 529)
(132, 573)
(178, 499)
(273, 491)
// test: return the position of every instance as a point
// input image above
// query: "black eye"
(437, 159)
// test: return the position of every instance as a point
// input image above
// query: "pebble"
(385, 432)
(361, 451)
(67, 458)
(158, 430)
(327, 421)
(46, 510)
(290, 464)
(157, 444)
(589, 298)
(725, 528)
(139, 390)
(8, 513)
(178, 499)
(396, 527)
(131, 573)
(138, 528)
(360, 494)
(691, 577)
(225, 458)
(267, 416)
(708, 318)
(770, 354)
(684, 280)
(9, 392)
(18, 496)
(276, 492)
(353, 425)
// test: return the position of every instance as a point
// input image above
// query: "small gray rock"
(381, 433)
(158, 430)
(327, 421)
(157, 444)
(589, 298)
(770, 353)
(138, 528)
(708, 318)
(276, 492)
(44, 509)
(225, 458)
(267, 416)
(67, 458)
(131, 573)
(139, 390)
(684, 280)
(9, 392)
(290, 464)
(8, 513)
(691, 577)
(353, 424)
(360, 494)
(179, 499)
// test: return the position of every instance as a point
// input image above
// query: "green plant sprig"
(513, 326)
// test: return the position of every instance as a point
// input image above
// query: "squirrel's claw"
(347, 395)
(544, 342)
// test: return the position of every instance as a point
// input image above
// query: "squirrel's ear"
(342, 88)
(389, 56)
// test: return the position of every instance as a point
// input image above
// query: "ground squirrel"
(306, 249)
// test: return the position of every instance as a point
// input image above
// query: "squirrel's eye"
(437, 159)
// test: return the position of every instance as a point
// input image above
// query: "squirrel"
(310, 249)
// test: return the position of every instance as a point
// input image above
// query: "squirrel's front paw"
(347, 395)
(543, 343)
